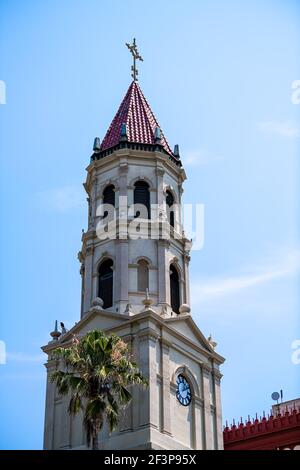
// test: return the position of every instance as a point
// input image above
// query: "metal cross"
(136, 56)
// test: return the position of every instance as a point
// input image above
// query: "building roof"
(139, 120)
(276, 432)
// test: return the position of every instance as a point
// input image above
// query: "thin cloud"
(209, 290)
(22, 376)
(198, 157)
(287, 129)
(23, 357)
(61, 199)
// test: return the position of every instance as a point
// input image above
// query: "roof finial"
(136, 56)
(55, 334)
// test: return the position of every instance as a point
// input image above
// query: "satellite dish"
(275, 396)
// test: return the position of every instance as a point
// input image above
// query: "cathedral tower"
(135, 283)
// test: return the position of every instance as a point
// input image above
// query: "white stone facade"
(163, 348)
(164, 343)
(122, 169)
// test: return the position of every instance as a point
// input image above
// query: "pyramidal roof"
(139, 119)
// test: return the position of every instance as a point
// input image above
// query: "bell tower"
(135, 282)
(138, 243)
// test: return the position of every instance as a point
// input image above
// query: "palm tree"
(97, 373)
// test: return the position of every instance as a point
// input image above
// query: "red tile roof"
(140, 121)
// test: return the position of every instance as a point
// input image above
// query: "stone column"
(160, 185)
(166, 393)
(49, 408)
(163, 273)
(180, 192)
(198, 438)
(122, 203)
(206, 372)
(65, 425)
(121, 270)
(219, 432)
(143, 409)
(154, 410)
(88, 278)
(148, 402)
(82, 289)
(93, 201)
(135, 345)
(186, 260)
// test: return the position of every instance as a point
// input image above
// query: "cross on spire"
(136, 56)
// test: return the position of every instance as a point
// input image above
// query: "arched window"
(142, 196)
(109, 197)
(105, 289)
(143, 275)
(170, 213)
(174, 289)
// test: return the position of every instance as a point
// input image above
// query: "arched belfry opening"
(141, 196)
(105, 282)
(143, 275)
(174, 288)
(109, 195)
(170, 212)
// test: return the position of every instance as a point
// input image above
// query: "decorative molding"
(164, 243)
(141, 178)
(143, 258)
(160, 171)
(206, 368)
(165, 342)
(142, 294)
(90, 250)
(148, 333)
(186, 258)
(217, 374)
(123, 167)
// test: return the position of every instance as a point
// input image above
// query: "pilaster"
(49, 407)
(163, 272)
(121, 286)
(88, 278)
(206, 372)
(219, 431)
(166, 395)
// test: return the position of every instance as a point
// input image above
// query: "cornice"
(206, 368)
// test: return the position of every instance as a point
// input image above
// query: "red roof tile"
(140, 121)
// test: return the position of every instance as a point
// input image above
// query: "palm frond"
(96, 372)
(75, 404)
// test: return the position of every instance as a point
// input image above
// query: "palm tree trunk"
(95, 445)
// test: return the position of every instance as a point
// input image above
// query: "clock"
(183, 392)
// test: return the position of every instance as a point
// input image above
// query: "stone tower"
(135, 283)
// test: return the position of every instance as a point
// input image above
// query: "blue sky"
(218, 76)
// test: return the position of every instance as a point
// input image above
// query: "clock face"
(183, 392)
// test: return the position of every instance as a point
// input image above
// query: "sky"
(218, 76)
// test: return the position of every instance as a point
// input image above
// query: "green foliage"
(96, 371)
